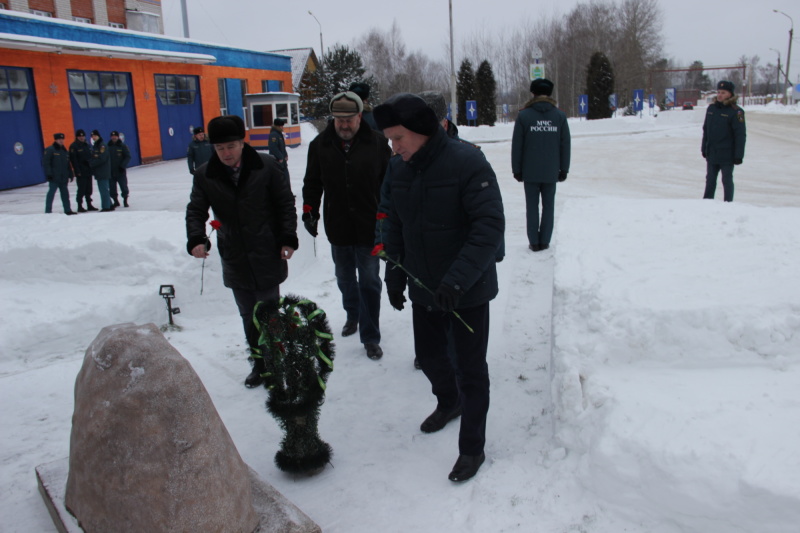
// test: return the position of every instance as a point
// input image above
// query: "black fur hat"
(407, 110)
(225, 129)
(542, 86)
(361, 89)
(726, 86)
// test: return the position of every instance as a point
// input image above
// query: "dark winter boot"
(89, 206)
(80, 208)
(116, 202)
(125, 201)
(255, 379)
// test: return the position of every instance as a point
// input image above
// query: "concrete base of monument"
(278, 515)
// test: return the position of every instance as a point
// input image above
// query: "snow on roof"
(299, 58)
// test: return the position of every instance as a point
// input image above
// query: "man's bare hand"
(200, 251)
(287, 252)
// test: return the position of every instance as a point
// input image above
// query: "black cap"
(96, 132)
(78, 133)
(225, 129)
(278, 122)
(58, 136)
(542, 86)
(407, 110)
(114, 133)
(726, 86)
(198, 129)
(361, 89)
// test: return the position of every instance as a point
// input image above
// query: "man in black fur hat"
(445, 222)
(253, 201)
(540, 156)
(724, 135)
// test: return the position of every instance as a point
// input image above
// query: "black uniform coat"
(101, 160)
(258, 217)
(724, 132)
(120, 157)
(541, 145)
(55, 162)
(199, 152)
(445, 221)
(80, 153)
(351, 182)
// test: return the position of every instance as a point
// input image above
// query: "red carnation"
(307, 208)
(381, 216)
(216, 224)
(378, 249)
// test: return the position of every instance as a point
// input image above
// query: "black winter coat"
(724, 132)
(445, 221)
(80, 153)
(277, 145)
(351, 183)
(199, 152)
(541, 145)
(258, 217)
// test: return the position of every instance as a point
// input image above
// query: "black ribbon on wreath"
(298, 350)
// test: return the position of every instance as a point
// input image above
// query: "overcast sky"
(716, 32)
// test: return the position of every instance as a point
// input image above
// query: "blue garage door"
(20, 134)
(179, 112)
(103, 101)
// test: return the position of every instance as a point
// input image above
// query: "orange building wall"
(55, 109)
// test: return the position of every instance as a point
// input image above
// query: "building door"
(179, 112)
(102, 101)
(20, 134)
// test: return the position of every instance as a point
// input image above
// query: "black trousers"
(461, 377)
(246, 301)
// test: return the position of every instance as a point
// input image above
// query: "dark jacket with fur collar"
(724, 132)
(350, 181)
(257, 214)
(541, 144)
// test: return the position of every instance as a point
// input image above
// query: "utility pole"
(778, 75)
(321, 48)
(453, 103)
(789, 54)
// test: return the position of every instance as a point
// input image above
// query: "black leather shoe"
(116, 202)
(466, 467)
(374, 351)
(125, 202)
(254, 379)
(350, 327)
(544, 247)
(534, 247)
(439, 419)
(81, 209)
(90, 207)
(70, 213)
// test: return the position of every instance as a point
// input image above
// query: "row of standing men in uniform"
(107, 163)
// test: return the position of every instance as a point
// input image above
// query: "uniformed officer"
(80, 153)
(277, 145)
(724, 135)
(58, 172)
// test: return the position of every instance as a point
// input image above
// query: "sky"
(717, 34)
(643, 370)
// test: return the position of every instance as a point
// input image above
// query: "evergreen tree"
(338, 70)
(465, 89)
(486, 94)
(696, 79)
(599, 86)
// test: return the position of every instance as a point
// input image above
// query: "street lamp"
(778, 77)
(789, 54)
(321, 48)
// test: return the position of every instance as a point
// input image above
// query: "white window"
(116, 25)
(82, 19)
(42, 13)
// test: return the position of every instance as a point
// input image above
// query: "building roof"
(299, 57)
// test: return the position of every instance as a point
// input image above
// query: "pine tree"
(486, 94)
(338, 70)
(465, 89)
(600, 85)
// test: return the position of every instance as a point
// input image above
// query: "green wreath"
(297, 346)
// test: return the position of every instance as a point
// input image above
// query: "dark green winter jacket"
(540, 147)
(101, 160)
(80, 153)
(277, 146)
(445, 221)
(199, 152)
(724, 133)
(56, 164)
(120, 157)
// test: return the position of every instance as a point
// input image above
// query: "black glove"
(446, 297)
(562, 175)
(310, 222)
(396, 299)
(518, 177)
(737, 161)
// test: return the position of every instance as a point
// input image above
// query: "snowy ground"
(644, 369)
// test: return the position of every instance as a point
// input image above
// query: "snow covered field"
(644, 369)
